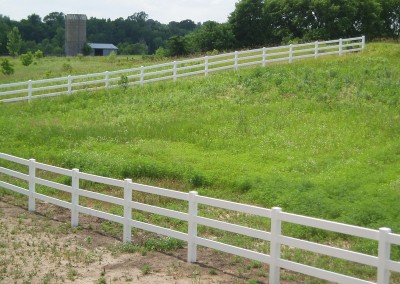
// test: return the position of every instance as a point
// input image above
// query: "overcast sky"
(163, 11)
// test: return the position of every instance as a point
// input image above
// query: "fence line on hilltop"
(384, 237)
(34, 89)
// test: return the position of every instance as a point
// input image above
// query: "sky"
(163, 11)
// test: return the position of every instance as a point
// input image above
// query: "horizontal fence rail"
(384, 237)
(177, 69)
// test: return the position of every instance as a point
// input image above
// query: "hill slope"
(318, 137)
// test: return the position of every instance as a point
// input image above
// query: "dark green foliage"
(390, 16)
(248, 23)
(197, 180)
(140, 48)
(6, 67)
(86, 49)
(212, 36)
(177, 46)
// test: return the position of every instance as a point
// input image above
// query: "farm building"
(102, 49)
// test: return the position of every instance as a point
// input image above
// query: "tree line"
(253, 23)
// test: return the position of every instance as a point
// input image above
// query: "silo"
(75, 33)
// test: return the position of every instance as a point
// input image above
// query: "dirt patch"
(42, 247)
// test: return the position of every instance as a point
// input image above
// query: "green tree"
(5, 27)
(6, 67)
(14, 42)
(368, 21)
(177, 45)
(248, 23)
(86, 49)
(323, 19)
(139, 48)
(390, 16)
(212, 35)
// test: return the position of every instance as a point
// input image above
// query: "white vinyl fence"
(383, 236)
(177, 69)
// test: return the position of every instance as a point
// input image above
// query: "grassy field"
(318, 137)
(53, 67)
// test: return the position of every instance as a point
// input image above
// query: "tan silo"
(75, 33)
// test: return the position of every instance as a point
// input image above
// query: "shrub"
(87, 49)
(66, 67)
(123, 82)
(27, 58)
(38, 54)
(161, 52)
(6, 67)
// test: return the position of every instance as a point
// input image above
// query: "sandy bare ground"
(42, 248)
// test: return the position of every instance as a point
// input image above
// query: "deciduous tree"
(14, 42)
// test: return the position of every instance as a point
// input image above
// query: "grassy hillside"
(318, 137)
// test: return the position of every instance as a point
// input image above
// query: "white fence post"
(141, 75)
(340, 46)
(192, 227)
(174, 71)
(383, 256)
(290, 53)
(107, 76)
(363, 41)
(264, 56)
(127, 211)
(75, 198)
(32, 185)
(69, 84)
(275, 246)
(29, 90)
(316, 50)
(206, 66)
(236, 60)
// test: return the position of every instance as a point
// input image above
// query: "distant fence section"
(177, 69)
(28, 174)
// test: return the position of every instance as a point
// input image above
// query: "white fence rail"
(385, 239)
(177, 69)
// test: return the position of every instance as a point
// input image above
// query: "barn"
(102, 49)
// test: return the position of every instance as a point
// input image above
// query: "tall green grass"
(318, 137)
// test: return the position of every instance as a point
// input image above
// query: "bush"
(27, 58)
(66, 67)
(87, 49)
(38, 54)
(6, 67)
(161, 52)
(123, 82)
